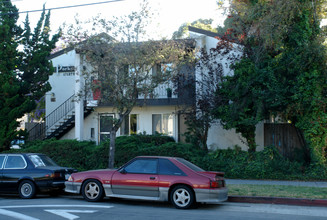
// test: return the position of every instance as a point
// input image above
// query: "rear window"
(41, 161)
(190, 165)
(168, 168)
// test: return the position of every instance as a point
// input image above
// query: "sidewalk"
(277, 200)
(277, 182)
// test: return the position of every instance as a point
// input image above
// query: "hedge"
(266, 164)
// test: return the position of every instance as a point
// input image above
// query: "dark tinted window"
(15, 162)
(2, 158)
(146, 166)
(190, 165)
(166, 167)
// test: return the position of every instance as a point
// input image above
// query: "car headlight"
(70, 178)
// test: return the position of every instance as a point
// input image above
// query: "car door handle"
(152, 178)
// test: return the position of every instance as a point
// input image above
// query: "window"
(163, 124)
(15, 162)
(190, 165)
(105, 126)
(162, 68)
(42, 161)
(142, 166)
(130, 125)
(2, 158)
(166, 167)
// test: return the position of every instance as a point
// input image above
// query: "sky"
(171, 14)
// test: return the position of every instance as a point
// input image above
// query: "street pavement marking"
(52, 206)
(67, 213)
(60, 212)
(16, 215)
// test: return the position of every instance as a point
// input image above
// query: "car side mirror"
(123, 171)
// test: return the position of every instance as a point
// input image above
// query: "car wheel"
(182, 197)
(27, 189)
(92, 191)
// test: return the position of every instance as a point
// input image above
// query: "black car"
(31, 173)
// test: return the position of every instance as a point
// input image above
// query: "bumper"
(212, 196)
(72, 187)
(58, 184)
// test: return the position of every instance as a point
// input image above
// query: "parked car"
(31, 173)
(152, 178)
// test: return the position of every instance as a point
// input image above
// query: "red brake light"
(217, 184)
(55, 175)
(214, 184)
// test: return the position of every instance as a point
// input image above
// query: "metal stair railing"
(39, 131)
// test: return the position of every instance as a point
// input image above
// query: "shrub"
(266, 164)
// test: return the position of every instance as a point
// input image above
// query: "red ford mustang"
(152, 178)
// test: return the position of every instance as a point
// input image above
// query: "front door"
(105, 125)
(13, 170)
(137, 179)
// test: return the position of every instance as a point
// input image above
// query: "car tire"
(92, 191)
(27, 189)
(182, 197)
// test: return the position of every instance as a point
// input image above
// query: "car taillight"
(214, 184)
(56, 175)
(217, 184)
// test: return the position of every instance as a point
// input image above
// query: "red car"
(152, 178)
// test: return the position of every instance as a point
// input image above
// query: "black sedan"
(31, 173)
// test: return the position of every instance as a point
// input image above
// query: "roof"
(205, 32)
(60, 52)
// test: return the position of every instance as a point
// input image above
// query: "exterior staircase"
(58, 122)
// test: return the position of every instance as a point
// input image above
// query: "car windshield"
(190, 165)
(42, 161)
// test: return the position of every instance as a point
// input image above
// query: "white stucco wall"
(219, 138)
(62, 84)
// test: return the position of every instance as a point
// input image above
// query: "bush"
(266, 164)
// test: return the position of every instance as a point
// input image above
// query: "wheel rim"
(26, 189)
(92, 190)
(182, 197)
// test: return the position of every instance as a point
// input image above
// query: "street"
(74, 207)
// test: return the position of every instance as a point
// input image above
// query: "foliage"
(266, 164)
(182, 32)
(23, 74)
(199, 115)
(283, 70)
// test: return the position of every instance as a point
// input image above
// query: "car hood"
(89, 172)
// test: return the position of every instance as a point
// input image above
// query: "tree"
(199, 114)
(182, 32)
(122, 69)
(283, 70)
(23, 75)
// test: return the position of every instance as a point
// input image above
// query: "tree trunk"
(112, 149)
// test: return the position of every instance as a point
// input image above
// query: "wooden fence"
(285, 137)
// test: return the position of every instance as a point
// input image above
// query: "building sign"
(65, 70)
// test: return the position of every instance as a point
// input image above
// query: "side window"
(15, 162)
(2, 158)
(166, 167)
(143, 166)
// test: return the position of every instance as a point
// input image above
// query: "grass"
(277, 191)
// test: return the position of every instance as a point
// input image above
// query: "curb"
(278, 200)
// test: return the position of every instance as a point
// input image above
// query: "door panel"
(138, 178)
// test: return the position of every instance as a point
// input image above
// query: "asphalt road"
(74, 207)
